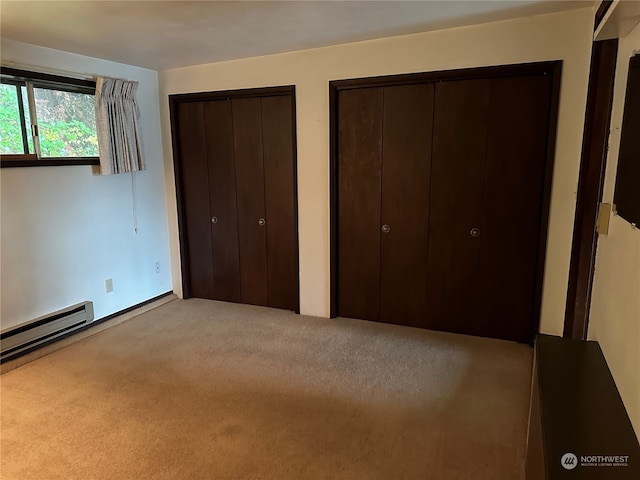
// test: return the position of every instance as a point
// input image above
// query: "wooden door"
(359, 185)
(406, 161)
(489, 160)
(515, 167)
(247, 139)
(280, 194)
(234, 155)
(384, 149)
(457, 176)
(454, 167)
(222, 198)
(210, 214)
(195, 199)
(265, 176)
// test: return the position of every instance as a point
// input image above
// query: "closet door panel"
(406, 154)
(222, 187)
(457, 176)
(514, 187)
(195, 181)
(359, 184)
(247, 137)
(282, 248)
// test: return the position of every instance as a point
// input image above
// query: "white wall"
(561, 36)
(65, 230)
(615, 304)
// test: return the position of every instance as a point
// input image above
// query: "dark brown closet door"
(406, 159)
(359, 184)
(514, 180)
(282, 252)
(457, 177)
(195, 198)
(222, 193)
(247, 138)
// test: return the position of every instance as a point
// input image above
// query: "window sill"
(13, 161)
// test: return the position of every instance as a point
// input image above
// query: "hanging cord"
(133, 202)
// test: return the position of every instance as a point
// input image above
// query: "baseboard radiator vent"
(16, 340)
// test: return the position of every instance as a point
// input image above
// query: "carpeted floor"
(199, 389)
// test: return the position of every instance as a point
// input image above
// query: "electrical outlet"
(108, 285)
(157, 267)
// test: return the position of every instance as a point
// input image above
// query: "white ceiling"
(169, 34)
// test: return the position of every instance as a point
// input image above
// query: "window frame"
(18, 77)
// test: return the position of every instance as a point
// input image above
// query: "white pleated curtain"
(117, 126)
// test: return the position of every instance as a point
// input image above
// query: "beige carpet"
(208, 390)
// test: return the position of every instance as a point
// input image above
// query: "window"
(46, 120)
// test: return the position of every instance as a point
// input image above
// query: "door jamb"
(590, 185)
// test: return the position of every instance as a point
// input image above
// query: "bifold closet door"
(514, 188)
(263, 143)
(359, 185)
(247, 138)
(406, 159)
(384, 149)
(279, 197)
(195, 198)
(235, 164)
(222, 198)
(209, 196)
(457, 177)
(487, 190)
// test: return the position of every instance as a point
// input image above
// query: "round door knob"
(261, 222)
(385, 228)
(475, 232)
(214, 219)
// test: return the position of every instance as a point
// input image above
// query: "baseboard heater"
(17, 339)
